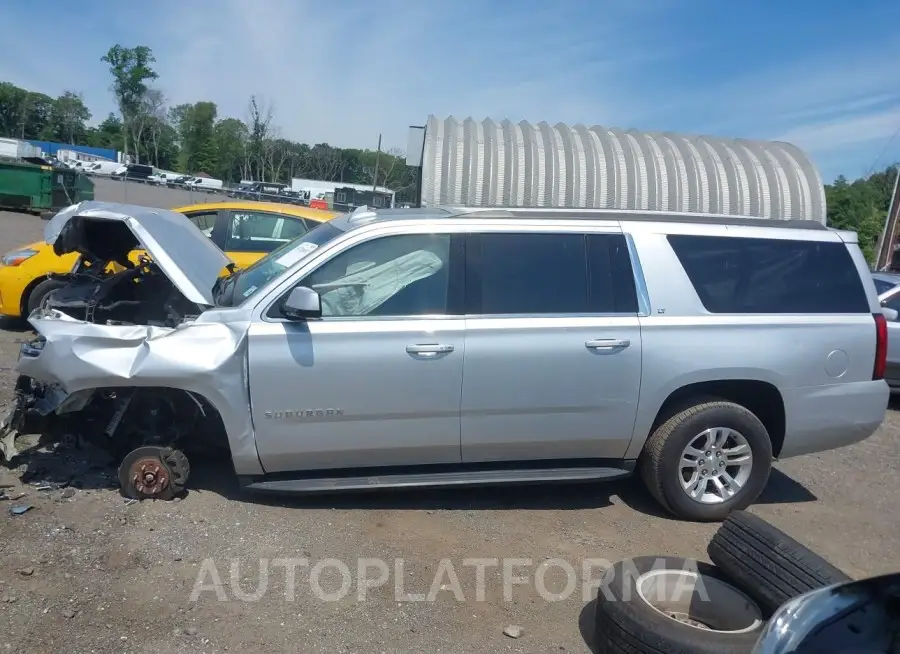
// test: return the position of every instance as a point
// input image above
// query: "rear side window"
(539, 274)
(757, 275)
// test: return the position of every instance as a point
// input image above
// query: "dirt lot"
(84, 571)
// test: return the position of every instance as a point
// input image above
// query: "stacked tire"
(667, 605)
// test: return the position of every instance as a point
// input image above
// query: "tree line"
(191, 138)
(194, 138)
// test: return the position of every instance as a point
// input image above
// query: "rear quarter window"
(757, 275)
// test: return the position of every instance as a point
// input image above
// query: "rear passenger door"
(553, 346)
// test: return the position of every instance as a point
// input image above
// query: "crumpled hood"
(184, 254)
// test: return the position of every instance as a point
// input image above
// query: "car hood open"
(184, 254)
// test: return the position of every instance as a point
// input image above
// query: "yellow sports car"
(245, 231)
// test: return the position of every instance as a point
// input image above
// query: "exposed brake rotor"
(149, 476)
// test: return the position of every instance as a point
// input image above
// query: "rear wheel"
(707, 460)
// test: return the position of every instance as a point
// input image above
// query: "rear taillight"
(881, 346)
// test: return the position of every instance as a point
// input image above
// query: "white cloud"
(835, 134)
(342, 72)
(819, 103)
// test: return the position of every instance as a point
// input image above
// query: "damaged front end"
(141, 358)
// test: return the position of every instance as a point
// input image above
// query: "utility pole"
(377, 155)
(885, 253)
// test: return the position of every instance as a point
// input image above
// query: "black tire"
(659, 461)
(39, 292)
(167, 462)
(627, 623)
(766, 563)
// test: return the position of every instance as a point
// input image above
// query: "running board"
(436, 479)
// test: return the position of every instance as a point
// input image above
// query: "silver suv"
(451, 347)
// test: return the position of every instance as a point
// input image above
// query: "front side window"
(261, 232)
(405, 275)
(757, 275)
(540, 274)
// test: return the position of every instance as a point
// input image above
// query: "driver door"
(377, 381)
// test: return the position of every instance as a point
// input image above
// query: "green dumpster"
(34, 187)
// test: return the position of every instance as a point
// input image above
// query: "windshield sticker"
(289, 259)
(250, 291)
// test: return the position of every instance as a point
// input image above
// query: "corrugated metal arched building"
(520, 164)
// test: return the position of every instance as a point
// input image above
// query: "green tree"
(231, 147)
(37, 116)
(68, 116)
(860, 206)
(131, 70)
(108, 134)
(13, 105)
(196, 134)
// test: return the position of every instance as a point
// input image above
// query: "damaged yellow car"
(246, 231)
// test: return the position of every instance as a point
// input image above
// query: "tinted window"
(535, 273)
(755, 275)
(893, 302)
(882, 286)
(611, 277)
(406, 275)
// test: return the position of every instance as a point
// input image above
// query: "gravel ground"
(84, 571)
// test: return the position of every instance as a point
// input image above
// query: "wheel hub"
(715, 465)
(149, 476)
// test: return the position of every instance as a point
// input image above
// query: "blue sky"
(823, 74)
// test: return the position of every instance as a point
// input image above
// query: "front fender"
(206, 358)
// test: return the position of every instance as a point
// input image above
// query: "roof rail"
(568, 213)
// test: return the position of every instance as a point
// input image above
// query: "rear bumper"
(819, 418)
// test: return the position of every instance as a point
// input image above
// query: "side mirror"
(890, 314)
(302, 303)
(857, 616)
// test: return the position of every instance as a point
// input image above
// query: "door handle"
(607, 343)
(429, 350)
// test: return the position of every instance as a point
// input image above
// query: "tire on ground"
(659, 462)
(712, 618)
(39, 292)
(766, 563)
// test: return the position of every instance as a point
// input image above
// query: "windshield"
(250, 280)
